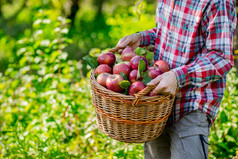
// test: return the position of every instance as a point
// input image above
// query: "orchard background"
(45, 102)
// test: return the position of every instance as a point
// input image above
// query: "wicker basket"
(131, 119)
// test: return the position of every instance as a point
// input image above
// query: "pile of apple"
(126, 77)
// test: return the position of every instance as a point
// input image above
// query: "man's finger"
(120, 51)
(160, 89)
(163, 88)
(155, 81)
(124, 43)
(121, 41)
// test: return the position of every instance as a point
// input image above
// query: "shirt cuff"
(145, 38)
(181, 75)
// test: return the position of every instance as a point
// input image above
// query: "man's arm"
(148, 37)
(135, 40)
(219, 25)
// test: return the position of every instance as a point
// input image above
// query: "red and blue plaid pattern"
(195, 37)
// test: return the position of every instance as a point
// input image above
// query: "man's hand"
(167, 83)
(132, 40)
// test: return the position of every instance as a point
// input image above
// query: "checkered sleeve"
(148, 37)
(218, 25)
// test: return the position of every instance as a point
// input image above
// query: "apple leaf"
(125, 84)
(151, 48)
(146, 80)
(141, 68)
(150, 56)
(124, 76)
(140, 51)
(96, 75)
(151, 63)
(91, 61)
(125, 92)
(144, 74)
(141, 65)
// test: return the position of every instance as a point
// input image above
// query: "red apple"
(162, 65)
(153, 72)
(124, 68)
(127, 62)
(128, 53)
(136, 87)
(102, 78)
(133, 76)
(113, 81)
(135, 62)
(103, 68)
(107, 58)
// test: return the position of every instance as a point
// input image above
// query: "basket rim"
(122, 97)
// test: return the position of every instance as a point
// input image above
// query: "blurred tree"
(75, 4)
(99, 4)
(94, 23)
(8, 20)
(1, 8)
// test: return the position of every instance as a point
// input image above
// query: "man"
(195, 37)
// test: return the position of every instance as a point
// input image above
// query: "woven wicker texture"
(131, 119)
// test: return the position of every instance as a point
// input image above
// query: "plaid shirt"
(195, 37)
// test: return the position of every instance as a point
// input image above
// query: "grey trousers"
(185, 139)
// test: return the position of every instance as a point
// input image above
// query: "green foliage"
(124, 76)
(7, 47)
(91, 26)
(91, 61)
(125, 85)
(224, 134)
(146, 80)
(45, 102)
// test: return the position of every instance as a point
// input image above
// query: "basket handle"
(145, 91)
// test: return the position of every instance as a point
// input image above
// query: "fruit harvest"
(129, 72)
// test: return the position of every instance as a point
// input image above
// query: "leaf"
(125, 92)
(230, 138)
(224, 116)
(151, 48)
(21, 51)
(124, 76)
(74, 109)
(219, 133)
(141, 68)
(45, 43)
(35, 67)
(95, 51)
(125, 84)
(50, 119)
(91, 61)
(151, 63)
(96, 75)
(224, 145)
(144, 74)
(146, 80)
(140, 51)
(150, 56)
